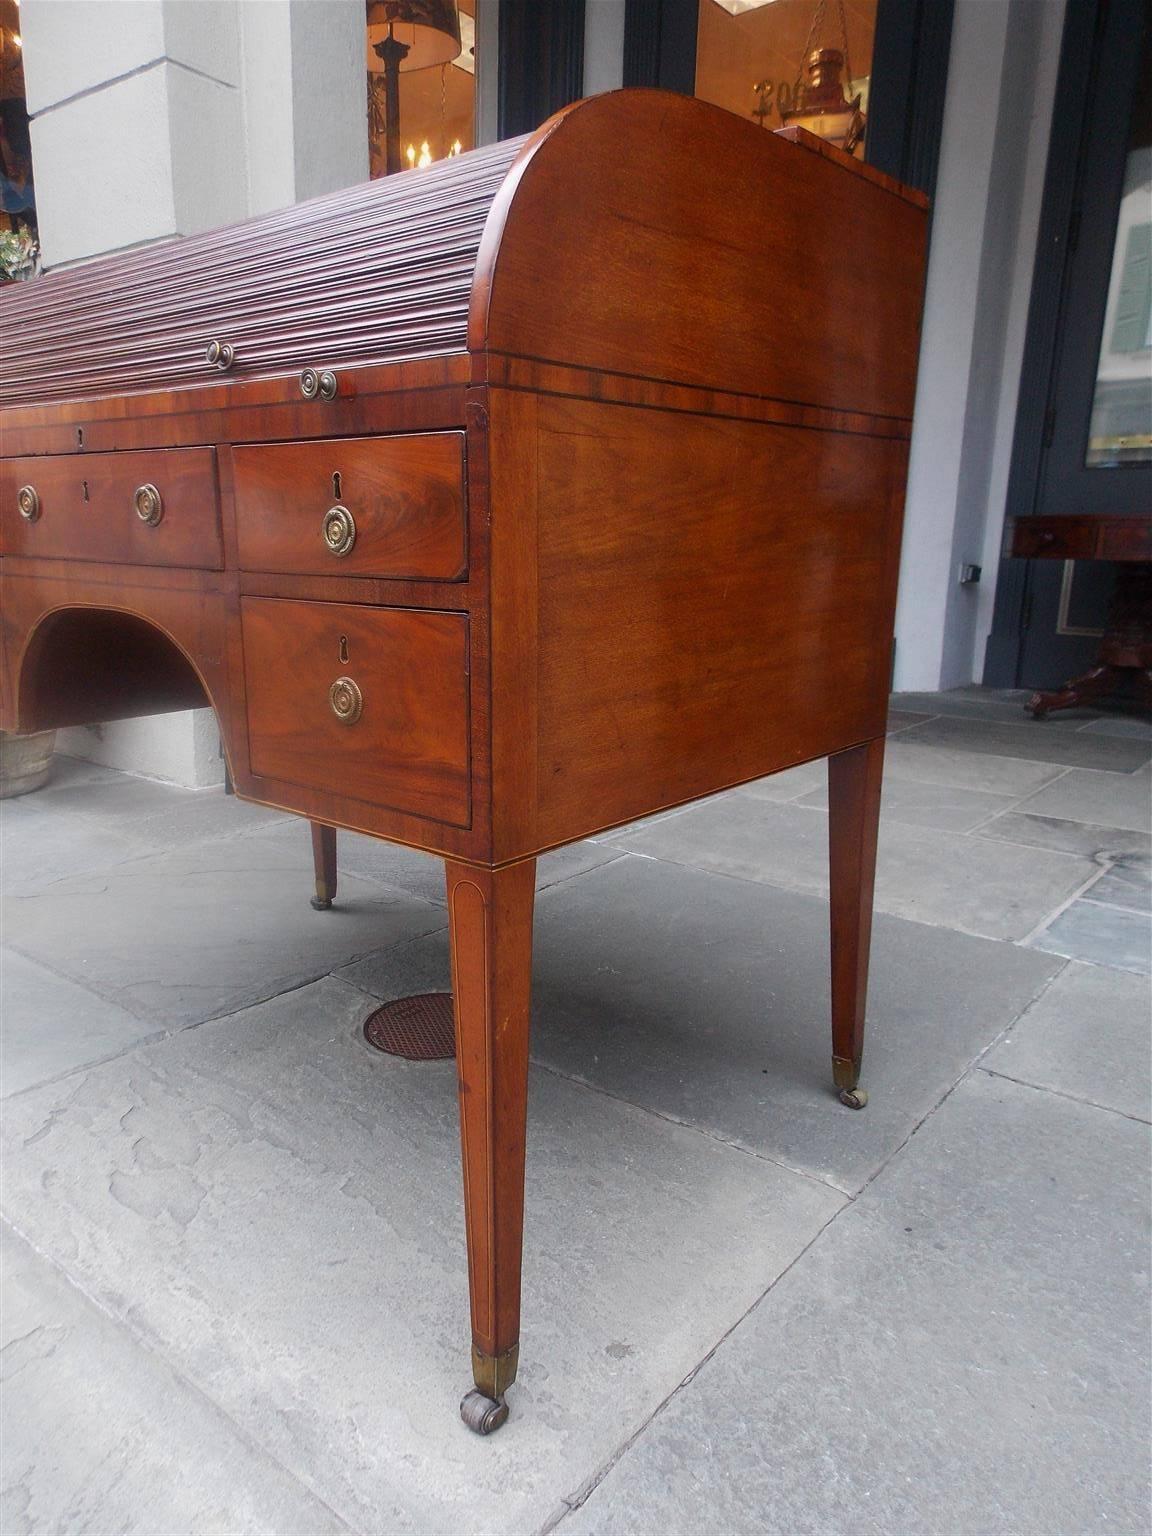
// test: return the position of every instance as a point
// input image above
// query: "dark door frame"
(1090, 115)
(909, 74)
(541, 62)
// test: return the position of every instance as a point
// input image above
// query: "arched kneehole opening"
(86, 664)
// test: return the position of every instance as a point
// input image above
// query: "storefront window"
(783, 62)
(19, 250)
(433, 43)
(1121, 429)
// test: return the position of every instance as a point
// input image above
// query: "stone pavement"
(235, 1292)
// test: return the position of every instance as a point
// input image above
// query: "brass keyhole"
(84, 483)
(336, 492)
(79, 437)
(344, 648)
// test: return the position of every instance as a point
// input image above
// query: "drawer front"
(157, 507)
(370, 703)
(359, 506)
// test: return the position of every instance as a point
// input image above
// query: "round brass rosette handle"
(149, 504)
(346, 700)
(339, 530)
(28, 500)
(221, 354)
(318, 384)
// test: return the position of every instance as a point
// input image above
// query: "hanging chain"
(813, 32)
(443, 103)
(817, 19)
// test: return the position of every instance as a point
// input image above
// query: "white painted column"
(997, 120)
(154, 119)
(603, 46)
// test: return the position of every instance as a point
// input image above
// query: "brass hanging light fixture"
(405, 35)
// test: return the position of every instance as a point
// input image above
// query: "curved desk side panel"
(648, 234)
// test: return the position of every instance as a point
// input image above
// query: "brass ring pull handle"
(318, 384)
(28, 500)
(221, 354)
(149, 504)
(346, 700)
(339, 530)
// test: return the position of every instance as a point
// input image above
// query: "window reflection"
(782, 62)
(1121, 427)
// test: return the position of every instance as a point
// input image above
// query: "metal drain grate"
(418, 1028)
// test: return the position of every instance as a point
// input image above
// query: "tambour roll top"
(573, 246)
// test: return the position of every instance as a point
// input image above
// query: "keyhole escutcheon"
(343, 648)
(337, 494)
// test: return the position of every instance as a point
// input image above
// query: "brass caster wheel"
(321, 906)
(854, 1098)
(481, 1414)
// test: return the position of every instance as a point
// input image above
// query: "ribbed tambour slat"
(373, 274)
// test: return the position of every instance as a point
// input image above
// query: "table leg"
(854, 785)
(1125, 648)
(490, 930)
(324, 860)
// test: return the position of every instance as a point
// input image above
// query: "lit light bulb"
(411, 153)
(457, 148)
(425, 155)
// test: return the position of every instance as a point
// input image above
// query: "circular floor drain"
(418, 1028)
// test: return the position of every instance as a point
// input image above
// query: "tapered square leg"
(854, 785)
(490, 928)
(324, 860)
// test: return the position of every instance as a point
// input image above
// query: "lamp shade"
(429, 29)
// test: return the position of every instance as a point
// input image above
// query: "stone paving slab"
(930, 805)
(101, 1436)
(38, 847)
(707, 1000)
(976, 703)
(164, 815)
(1086, 1035)
(1063, 836)
(1105, 800)
(995, 889)
(965, 1350)
(1120, 725)
(983, 772)
(1127, 884)
(1033, 741)
(211, 926)
(1109, 936)
(277, 1210)
(49, 1026)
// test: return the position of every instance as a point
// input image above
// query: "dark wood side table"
(1126, 647)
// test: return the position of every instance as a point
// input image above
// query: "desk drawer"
(354, 506)
(157, 507)
(370, 703)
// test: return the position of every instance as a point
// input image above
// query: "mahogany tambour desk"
(490, 506)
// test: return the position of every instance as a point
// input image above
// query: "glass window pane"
(1121, 427)
(790, 61)
(437, 102)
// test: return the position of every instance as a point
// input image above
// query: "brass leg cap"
(494, 1374)
(482, 1415)
(854, 1098)
(322, 903)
